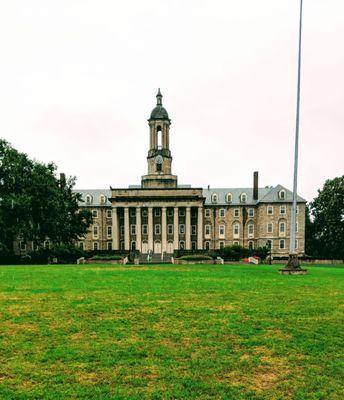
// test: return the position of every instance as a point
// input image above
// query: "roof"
(265, 195)
(159, 112)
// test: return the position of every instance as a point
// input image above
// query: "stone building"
(163, 216)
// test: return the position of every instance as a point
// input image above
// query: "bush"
(106, 257)
(236, 253)
(196, 257)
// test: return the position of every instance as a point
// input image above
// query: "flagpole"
(293, 261)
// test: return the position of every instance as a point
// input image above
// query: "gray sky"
(78, 81)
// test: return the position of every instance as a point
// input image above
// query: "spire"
(159, 98)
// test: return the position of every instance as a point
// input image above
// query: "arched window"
(182, 245)
(229, 197)
(88, 199)
(207, 245)
(214, 198)
(251, 244)
(282, 244)
(281, 194)
(95, 246)
(159, 136)
(193, 245)
(243, 197)
(102, 199)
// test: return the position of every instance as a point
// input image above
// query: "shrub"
(106, 257)
(196, 257)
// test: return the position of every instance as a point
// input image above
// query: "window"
(109, 245)
(102, 199)
(95, 213)
(251, 244)
(95, 232)
(22, 246)
(133, 229)
(297, 209)
(243, 197)
(222, 230)
(144, 229)
(236, 212)
(281, 194)
(108, 214)
(157, 212)
(229, 197)
(170, 229)
(182, 212)
(282, 210)
(133, 245)
(207, 230)
(81, 245)
(109, 231)
(46, 244)
(269, 244)
(157, 229)
(270, 210)
(282, 244)
(251, 212)
(182, 245)
(214, 198)
(282, 228)
(296, 244)
(181, 229)
(270, 227)
(207, 212)
(250, 229)
(193, 229)
(236, 243)
(132, 212)
(88, 199)
(222, 213)
(144, 212)
(122, 230)
(170, 212)
(193, 245)
(222, 245)
(236, 230)
(296, 227)
(95, 246)
(207, 245)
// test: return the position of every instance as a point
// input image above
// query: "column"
(126, 229)
(138, 228)
(115, 236)
(150, 228)
(175, 229)
(200, 228)
(163, 230)
(188, 228)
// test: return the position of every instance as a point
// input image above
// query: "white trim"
(207, 213)
(243, 198)
(283, 208)
(272, 227)
(222, 213)
(207, 227)
(236, 227)
(157, 229)
(229, 197)
(236, 212)
(109, 231)
(95, 232)
(268, 209)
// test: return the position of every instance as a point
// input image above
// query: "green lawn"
(187, 332)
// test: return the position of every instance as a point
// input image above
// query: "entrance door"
(169, 247)
(157, 247)
(144, 247)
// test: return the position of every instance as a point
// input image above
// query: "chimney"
(255, 185)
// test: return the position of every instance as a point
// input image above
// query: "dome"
(159, 112)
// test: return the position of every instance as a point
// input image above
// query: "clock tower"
(159, 157)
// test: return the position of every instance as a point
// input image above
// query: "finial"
(159, 98)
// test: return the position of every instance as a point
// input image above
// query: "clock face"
(158, 159)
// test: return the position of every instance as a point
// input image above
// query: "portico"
(160, 220)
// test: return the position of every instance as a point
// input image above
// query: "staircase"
(156, 258)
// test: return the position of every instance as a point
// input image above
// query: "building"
(163, 216)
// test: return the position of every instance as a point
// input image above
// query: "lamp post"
(293, 265)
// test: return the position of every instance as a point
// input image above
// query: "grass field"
(187, 332)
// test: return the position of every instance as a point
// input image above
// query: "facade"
(162, 216)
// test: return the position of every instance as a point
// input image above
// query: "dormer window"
(281, 194)
(229, 197)
(243, 197)
(214, 198)
(88, 199)
(102, 199)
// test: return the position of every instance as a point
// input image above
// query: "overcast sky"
(78, 81)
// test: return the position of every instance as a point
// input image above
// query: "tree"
(327, 227)
(35, 205)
